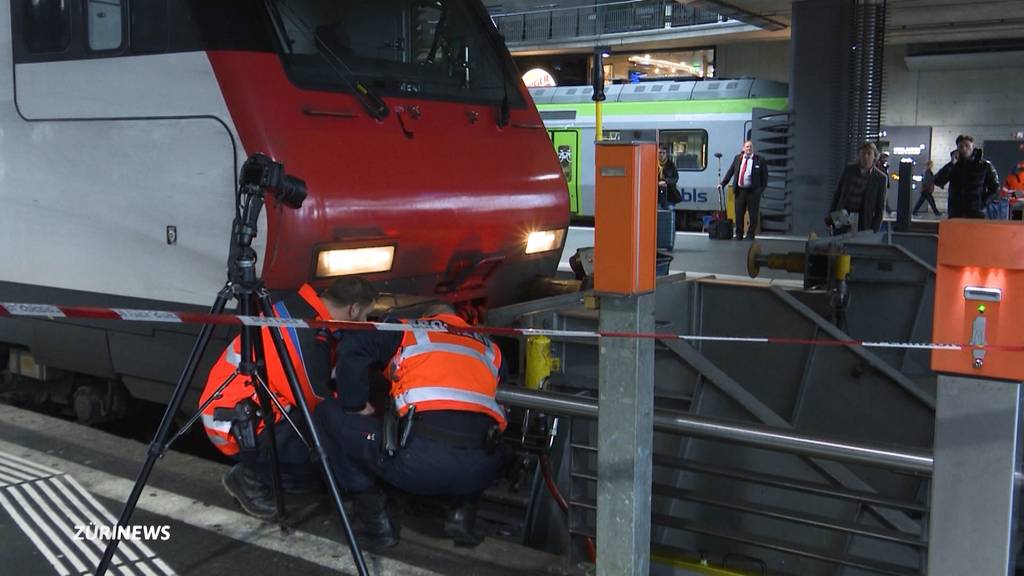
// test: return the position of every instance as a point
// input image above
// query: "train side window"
(47, 25)
(687, 148)
(104, 24)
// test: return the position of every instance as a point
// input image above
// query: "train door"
(567, 144)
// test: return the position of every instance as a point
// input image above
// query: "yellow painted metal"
(598, 131)
(666, 558)
(842, 266)
(538, 361)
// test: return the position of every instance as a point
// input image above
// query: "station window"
(687, 148)
(47, 25)
(104, 24)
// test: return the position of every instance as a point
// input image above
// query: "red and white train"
(123, 125)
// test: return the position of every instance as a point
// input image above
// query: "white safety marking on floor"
(97, 514)
(54, 536)
(27, 466)
(53, 488)
(26, 527)
(310, 548)
(53, 510)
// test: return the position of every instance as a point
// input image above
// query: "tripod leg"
(156, 448)
(199, 412)
(300, 402)
(263, 394)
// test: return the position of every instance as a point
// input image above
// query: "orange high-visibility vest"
(1015, 181)
(219, 432)
(446, 371)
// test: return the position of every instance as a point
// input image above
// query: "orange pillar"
(979, 297)
(625, 225)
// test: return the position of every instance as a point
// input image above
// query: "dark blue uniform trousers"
(297, 469)
(425, 467)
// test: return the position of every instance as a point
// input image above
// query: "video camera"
(262, 172)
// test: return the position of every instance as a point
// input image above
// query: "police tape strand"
(16, 309)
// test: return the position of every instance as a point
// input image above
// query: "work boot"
(458, 524)
(255, 497)
(372, 525)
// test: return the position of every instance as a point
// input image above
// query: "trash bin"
(666, 229)
(662, 262)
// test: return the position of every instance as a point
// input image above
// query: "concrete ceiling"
(908, 21)
(911, 21)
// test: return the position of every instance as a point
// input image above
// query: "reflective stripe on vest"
(416, 395)
(233, 357)
(423, 345)
(218, 425)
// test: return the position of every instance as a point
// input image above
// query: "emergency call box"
(625, 226)
(979, 298)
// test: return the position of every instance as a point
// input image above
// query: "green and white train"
(694, 119)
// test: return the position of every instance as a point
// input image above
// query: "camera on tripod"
(262, 172)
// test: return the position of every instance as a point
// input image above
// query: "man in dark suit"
(749, 177)
(861, 191)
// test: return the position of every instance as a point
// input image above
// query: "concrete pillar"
(820, 40)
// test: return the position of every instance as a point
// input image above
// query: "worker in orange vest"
(441, 426)
(232, 420)
(1013, 187)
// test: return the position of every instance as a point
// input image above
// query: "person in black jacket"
(972, 180)
(668, 177)
(749, 177)
(927, 190)
(861, 191)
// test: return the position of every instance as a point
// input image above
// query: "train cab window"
(149, 27)
(47, 25)
(431, 48)
(104, 24)
(687, 148)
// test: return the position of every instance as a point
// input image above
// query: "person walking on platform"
(860, 194)
(927, 190)
(241, 436)
(439, 433)
(973, 182)
(668, 177)
(749, 177)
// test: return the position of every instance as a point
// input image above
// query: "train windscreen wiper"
(374, 104)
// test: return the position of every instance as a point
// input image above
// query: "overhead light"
(544, 241)
(983, 293)
(346, 262)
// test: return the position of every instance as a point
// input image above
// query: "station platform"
(697, 255)
(60, 481)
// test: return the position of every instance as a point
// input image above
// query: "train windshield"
(437, 49)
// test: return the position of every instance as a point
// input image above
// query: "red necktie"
(743, 172)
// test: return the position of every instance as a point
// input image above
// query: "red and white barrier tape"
(136, 315)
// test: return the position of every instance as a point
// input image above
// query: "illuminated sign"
(909, 150)
(538, 78)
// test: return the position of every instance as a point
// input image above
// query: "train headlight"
(544, 241)
(345, 262)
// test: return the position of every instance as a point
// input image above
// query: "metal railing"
(596, 20)
(909, 545)
(912, 461)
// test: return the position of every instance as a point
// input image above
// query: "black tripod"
(259, 175)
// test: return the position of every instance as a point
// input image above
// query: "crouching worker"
(232, 420)
(441, 434)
